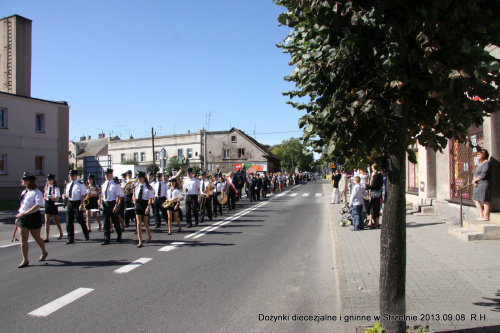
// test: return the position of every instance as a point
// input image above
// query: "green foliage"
(196, 168)
(376, 328)
(173, 164)
(130, 161)
(293, 152)
(152, 167)
(355, 61)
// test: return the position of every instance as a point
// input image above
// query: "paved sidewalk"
(448, 281)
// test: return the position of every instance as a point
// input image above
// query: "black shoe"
(157, 226)
(26, 264)
(140, 245)
(196, 223)
(190, 225)
(42, 258)
(70, 242)
(105, 243)
(86, 238)
(46, 241)
(211, 219)
(215, 215)
(119, 240)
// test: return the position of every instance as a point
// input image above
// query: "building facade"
(33, 132)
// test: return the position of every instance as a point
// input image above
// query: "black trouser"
(207, 207)
(253, 194)
(160, 211)
(264, 192)
(191, 207)
(216, 204)
(108, 217)
(71, 211)
(231, 201)
(129, 214)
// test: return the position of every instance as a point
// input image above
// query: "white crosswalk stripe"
(294, 194)
(305, 194)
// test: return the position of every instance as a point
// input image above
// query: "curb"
(343, 299)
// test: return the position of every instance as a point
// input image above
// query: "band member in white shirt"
(111, 196)
(50, 197)
(160, 190)
(173, 194)
(75, 192)
(219, 186)
(93, 202)
(143, 198)
(191, 188)
(204, 199)
(29, 220)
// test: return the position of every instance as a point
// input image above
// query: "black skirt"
(93, 203)
(30, 221)
(374, 207)
(50, 208)
(140, 207)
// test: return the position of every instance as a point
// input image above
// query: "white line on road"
(318, 195)
(172, 246)
(305, 194)
(294, 194)
(60, 302)
(132, 265)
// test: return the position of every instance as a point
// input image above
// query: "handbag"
(375, 194)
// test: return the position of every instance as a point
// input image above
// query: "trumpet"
(171, 202)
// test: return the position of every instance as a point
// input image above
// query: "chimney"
(88, 138)
(82, 138)
(102, 135)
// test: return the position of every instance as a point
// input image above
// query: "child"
(356, 202)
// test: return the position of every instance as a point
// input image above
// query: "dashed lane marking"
(172, 246)
(60, 302)
(294, 194)
(318, 195)
(305, 194)
(133, 265)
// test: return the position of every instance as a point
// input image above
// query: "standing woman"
(144, 196)
(29, 219)
(50, 196)
(172, 211)
(93, 201)
(481, 194)
(375, 188)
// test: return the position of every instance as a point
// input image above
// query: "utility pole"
(204, 150)
(153, 144)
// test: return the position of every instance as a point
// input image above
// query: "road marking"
(60, 302)
(305, 194)
(318, 195)
(132, 265)
(294, 194)
(172, 246)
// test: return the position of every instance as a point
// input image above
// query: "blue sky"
(127, 66)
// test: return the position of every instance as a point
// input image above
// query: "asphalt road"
(253, 271)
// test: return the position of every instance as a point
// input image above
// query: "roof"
(35, 99)
(93, 147)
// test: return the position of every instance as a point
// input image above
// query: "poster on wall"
(255, 168)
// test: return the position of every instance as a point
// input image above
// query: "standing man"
(160, 188)
(265, 185)
(111, 196)
(192, 188)
(230, 192)
(75, 192)
(335, 193)
(219, 186)
(129, 213)
(252, 183)
(206, 195)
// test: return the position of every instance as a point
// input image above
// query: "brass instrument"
(128, 189)
(171, 202)
(179, 179)
(86, 201)
(207, 190)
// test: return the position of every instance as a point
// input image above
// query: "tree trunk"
(393, 236)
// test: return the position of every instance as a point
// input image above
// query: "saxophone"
(210, 180)
(171, 202)
(86, 201)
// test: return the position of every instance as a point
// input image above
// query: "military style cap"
(73, 172)
(91, 176)
(189, 170)
(28, 176)
(140, 174)
(51, 176)
(108, 170)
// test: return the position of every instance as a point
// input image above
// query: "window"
(157, 155)
(241, 153)
(3, 168)
(179, 153)
(189, 152)
(39, 165)
(233, 138)
(143, 157)
(40, 122)
(226, 153)
(123, 158)
(136, 156)
(3, 118)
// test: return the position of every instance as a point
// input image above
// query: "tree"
(173, 164)
(380, 75)
(293, 155)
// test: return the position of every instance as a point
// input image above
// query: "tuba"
(128, 189)
(179, 177)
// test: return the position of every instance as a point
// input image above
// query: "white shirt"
(146, 192)
(219, 186)
(363, 179)
(192, 186)
(53, 193)
(113, 191)
(172, 193)
(30, 199)
(163, 190)
(358, 192)
(212, 187)
(77, 192)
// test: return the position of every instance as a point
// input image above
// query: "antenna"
(209, 116)
(120, 129)
(254, 135)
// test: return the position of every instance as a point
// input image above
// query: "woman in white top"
(50, 197)
(144, 196)
(29, 219)
(174, 194)
(93, 201)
